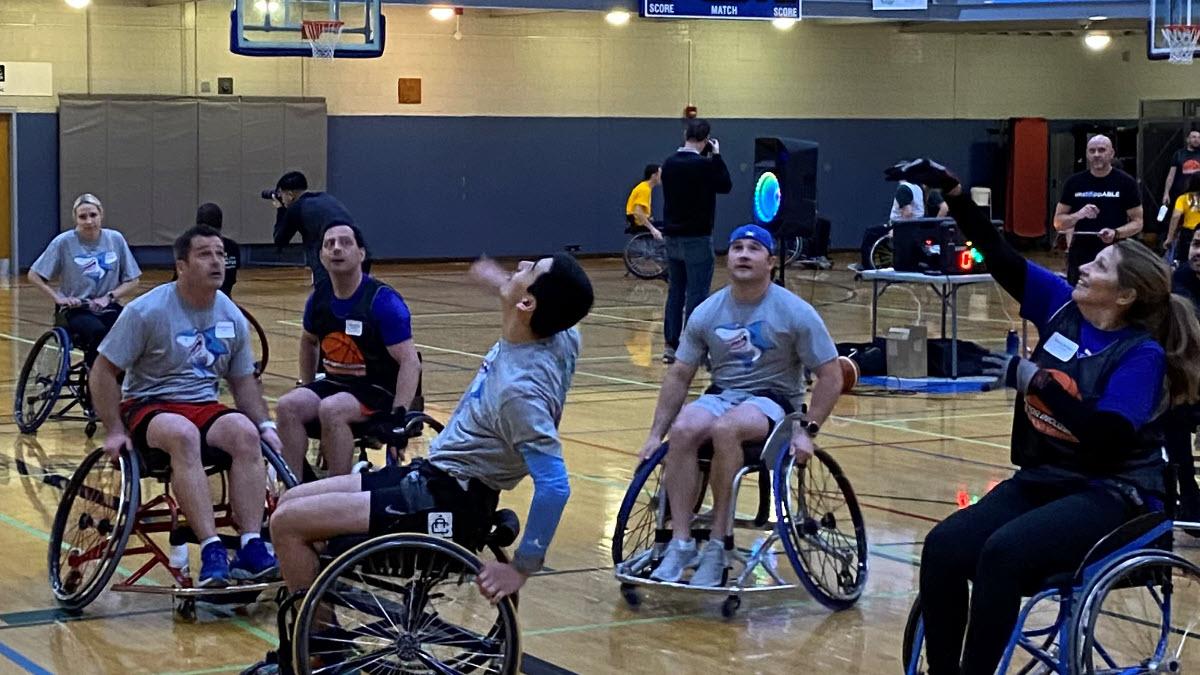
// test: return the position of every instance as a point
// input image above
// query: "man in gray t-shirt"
(759, 337)
(174, 344)
(94, 268)
(504, 428)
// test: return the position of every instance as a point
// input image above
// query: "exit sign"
(717, 9)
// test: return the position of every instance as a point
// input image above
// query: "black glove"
(388, 426)
(923, 172)
(1012, 371)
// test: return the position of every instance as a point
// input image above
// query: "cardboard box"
(906, 352)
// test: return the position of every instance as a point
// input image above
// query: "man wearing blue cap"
(759, 337)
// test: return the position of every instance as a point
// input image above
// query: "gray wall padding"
(152, 161)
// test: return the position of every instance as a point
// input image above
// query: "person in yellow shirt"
(637, 207)
(1187, 214)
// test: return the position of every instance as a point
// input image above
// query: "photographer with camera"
(309, 213)
(691, 180)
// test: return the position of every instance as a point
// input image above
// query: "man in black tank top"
(358, 336)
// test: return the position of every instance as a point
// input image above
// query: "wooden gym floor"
(906, 455)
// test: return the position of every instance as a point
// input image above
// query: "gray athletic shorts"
(719, 404)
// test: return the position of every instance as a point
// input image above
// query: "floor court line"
(22, 661)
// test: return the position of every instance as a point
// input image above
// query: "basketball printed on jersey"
(1039, 414)
(341, 355)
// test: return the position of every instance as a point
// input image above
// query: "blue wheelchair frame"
(1037, 641)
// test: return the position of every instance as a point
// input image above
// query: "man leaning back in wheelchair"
(504, 428)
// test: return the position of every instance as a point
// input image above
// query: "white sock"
(249, 537)
(208, 541)
(689, 543)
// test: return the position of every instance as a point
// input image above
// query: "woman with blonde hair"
(1113, 353)
(95, 269)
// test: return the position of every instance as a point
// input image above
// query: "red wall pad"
(1028, 176)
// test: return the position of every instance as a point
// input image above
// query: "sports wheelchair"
(48, 369)
(818, 521)
(1121, 611)
(645, 257)
(405, 601)
(102, 508)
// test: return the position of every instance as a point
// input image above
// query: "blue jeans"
(690, 263)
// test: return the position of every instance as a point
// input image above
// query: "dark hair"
(697, 130)
(358, 235)
(292, 180)
(183, 244)
(563, 294)
(209, 214)
(652, 169)
(1169, 318)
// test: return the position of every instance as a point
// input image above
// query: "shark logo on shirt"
(203, 350)
(94, 267)
(744, 343)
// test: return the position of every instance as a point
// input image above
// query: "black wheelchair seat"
(156, 463)
(1147, 531)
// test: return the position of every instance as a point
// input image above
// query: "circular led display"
(766, 197)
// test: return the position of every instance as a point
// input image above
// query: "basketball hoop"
(323, 36)
(1181, 41)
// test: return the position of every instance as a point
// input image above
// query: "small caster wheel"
(630, 594)
(90, 429)
(730, 606)
(185, 609)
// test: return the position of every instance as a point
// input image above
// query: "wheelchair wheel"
(42, 378)
(881, 253)
(914, 638)
(792, 248)
(646, 257)
(262, 349)
(92, 526)
(404, 603)
(1139, 616)
(822, 529)
(637, 519)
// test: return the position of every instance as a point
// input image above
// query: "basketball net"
(322, 37)
(1181, 41)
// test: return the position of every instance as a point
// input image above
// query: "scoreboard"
(721, 9)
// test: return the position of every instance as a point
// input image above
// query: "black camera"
(269, 194)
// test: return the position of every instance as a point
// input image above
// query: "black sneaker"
(923, 171)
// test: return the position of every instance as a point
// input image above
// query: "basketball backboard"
(275, 27)
(1165, 13)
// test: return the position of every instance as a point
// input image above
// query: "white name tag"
(1060, 347)
(225, 329)
(353, 327)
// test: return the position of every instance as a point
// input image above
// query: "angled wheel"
(881, 253)
(41, 380)
(640, 514)
(404, 603)
(92, 526)
(262, 349)
(793, 247)
(645, 257)
(822, 528)
(1139, 616)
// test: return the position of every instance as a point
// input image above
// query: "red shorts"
(137, 415)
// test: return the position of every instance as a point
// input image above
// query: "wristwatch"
(810, 427)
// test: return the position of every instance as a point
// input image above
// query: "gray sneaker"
(668, 356)
(710, 571)
(680, 556)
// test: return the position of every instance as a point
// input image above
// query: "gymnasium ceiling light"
(783, 24)
(1096, 40)
(79, 4)
(270, 6)
(1097, 18)
(443, 13)
(617, 17)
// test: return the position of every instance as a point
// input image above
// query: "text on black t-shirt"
(1113, 194)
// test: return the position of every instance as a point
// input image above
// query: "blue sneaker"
(254, 562)
(214, 566)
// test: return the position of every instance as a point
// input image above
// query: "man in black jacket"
(309, 213)
(691, 180)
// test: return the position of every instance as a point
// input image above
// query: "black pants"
(1182, 243)
(1179, 423)
(1017, 536)
(88, 328)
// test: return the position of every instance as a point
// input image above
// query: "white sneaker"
(710, 572)
(680, 556)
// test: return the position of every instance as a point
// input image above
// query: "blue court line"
(17, 658)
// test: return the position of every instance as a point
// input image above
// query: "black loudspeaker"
(787, 204)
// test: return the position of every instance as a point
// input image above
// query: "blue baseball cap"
(756, 233)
